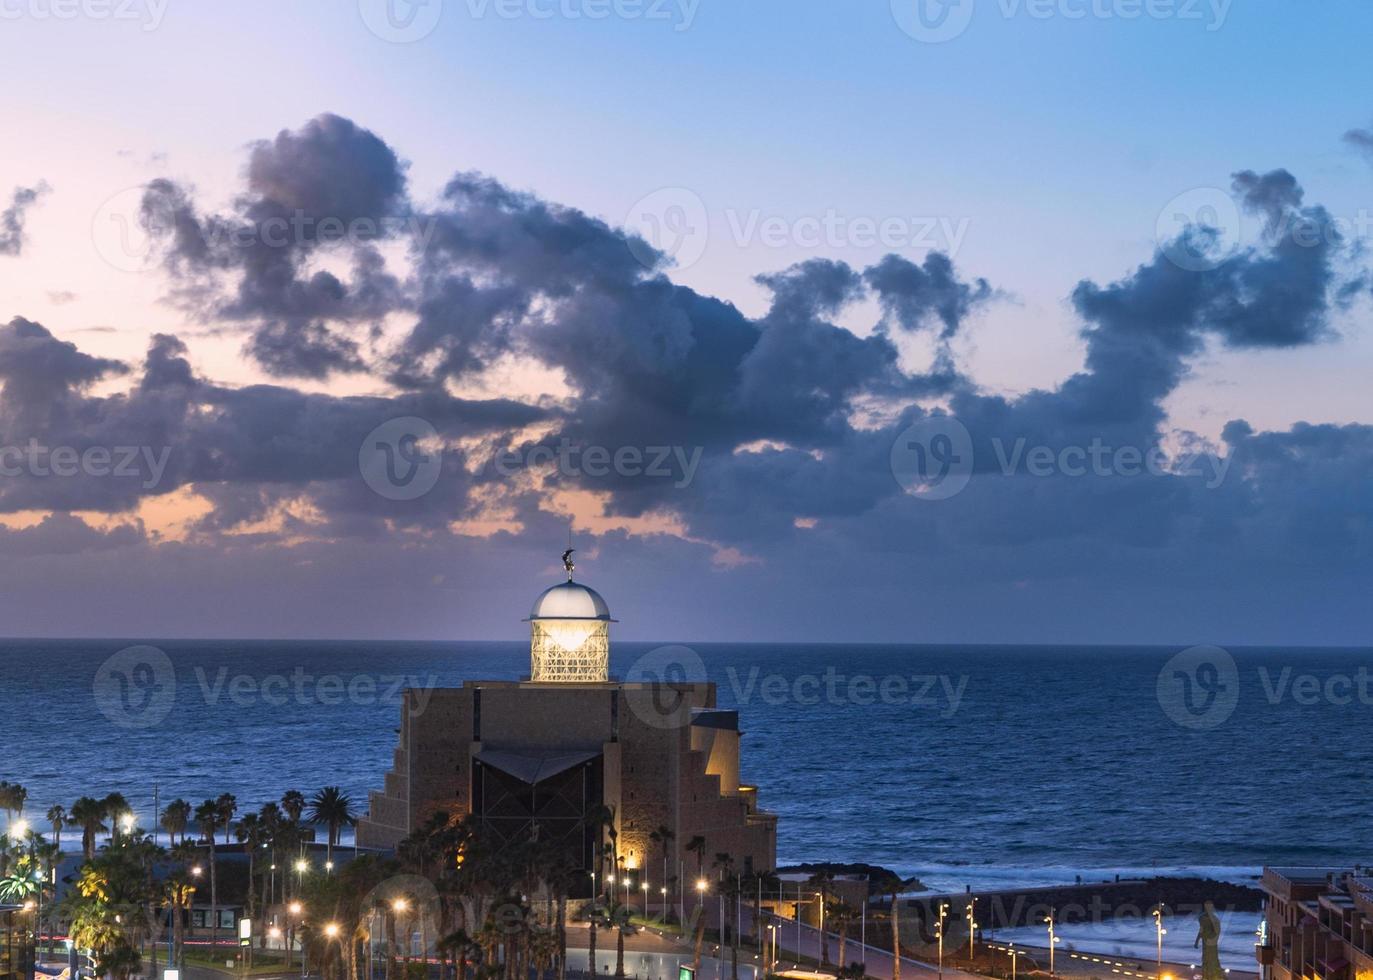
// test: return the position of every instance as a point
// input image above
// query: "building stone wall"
(663, 766)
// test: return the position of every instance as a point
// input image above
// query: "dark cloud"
(293, 348)
(1275, 195)
(331, 188)
(912, 295)
(794, 415)
(1361, 139)
(13, 217)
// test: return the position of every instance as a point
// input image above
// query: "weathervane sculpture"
(568, 563)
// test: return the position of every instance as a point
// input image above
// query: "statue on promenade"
(1208, 938)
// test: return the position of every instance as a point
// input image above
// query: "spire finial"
(568, 563)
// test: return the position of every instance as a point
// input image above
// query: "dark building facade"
(533, 758)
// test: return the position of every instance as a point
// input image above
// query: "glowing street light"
(19, 828)
(1161, 932)
(331, 930)
(302, 866)
(399, 905)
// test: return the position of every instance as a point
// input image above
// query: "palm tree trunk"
(843, 941)
(214, 897)
(562, 936)
(620, 951)
(591, 942)
(700, 938)
(895, 938)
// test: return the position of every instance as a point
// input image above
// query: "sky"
(879, 320)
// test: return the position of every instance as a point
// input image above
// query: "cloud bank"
(792, 523)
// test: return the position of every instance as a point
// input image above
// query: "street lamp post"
(972, 929)
(1052, 940)
(939, 928)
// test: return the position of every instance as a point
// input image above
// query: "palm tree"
(250, 834)
(697, 845)
(174, 820)
(663, 836)
(207, 819)
(227, 805)
(729, 887)
(763, 881)
(619, 915)
(892, 886)
(840, 914)
(293, 804)
(179, 894)
(57, 816)
(823, 880)
(333, 808)
(117, 810)
(88, 814)
(12, 797)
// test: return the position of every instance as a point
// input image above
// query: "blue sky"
(1036, 150)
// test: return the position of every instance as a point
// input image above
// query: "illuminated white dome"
(570, 600)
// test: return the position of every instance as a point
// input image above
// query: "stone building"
(1318, 924)
(542, 755)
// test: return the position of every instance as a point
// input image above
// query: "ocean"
(965, 766)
